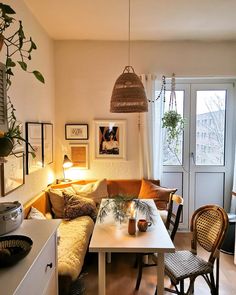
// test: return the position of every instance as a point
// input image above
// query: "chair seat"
(183, 264)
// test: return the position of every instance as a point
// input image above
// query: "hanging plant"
(18, 51)
(18, 48)
(173, 122)
(13, 136)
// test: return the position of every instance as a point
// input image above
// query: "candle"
(132, 210)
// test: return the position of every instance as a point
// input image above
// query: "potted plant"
(173, 122)
(18, 50)
(13, 136)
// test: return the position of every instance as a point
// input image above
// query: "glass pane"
(210, 127)
(172, 153)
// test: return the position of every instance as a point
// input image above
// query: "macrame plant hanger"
(172, 102)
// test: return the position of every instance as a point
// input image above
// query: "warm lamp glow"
(67, 162)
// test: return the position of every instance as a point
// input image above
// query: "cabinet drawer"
(41, 271)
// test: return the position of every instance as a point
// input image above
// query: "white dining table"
(111, 237)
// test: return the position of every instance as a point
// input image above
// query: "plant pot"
(6, 146)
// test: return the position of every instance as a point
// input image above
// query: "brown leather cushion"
(161, 195)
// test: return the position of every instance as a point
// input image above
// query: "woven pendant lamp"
(128, 95)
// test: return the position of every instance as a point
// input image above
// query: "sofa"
(75, 233)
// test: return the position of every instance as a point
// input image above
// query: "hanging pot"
(6, 146)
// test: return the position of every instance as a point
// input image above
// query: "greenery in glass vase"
(119, 206)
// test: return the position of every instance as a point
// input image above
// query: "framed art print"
(79, 155)
(110, 139)
(34, 138)
(12, 173)
(76, 131)
(47, 145)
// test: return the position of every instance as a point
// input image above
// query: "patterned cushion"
(161, 195)
(76, 206)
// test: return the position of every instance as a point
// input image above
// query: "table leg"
(160, 274)
(101, 273)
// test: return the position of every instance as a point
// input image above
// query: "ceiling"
(205, 20)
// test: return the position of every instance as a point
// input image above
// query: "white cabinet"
(37, 272)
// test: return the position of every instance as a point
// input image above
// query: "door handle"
(193, 157)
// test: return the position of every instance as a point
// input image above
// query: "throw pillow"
(161, 195)
(35, 214)
(94, 190)
(57, 200)
(76, 206)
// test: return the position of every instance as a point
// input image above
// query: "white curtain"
(151, 132)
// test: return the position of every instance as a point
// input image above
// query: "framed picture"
(110, 139)
(79, 155)
(34, 137)
(12, 173)
(76, 131)
(47, 136)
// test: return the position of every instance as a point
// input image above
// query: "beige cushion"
(57, 200)
(94, 190)
(35, 214)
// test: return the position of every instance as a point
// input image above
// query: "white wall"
(33, 100)
(85, 75)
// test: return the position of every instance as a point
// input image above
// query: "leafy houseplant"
(173, 122)
(18, 47)
(18, 51)
(12, 137)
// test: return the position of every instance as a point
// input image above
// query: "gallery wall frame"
(12, 173)
(110, 139)
(47, 145)
(76, 132)
(34, 136)
(79, 155)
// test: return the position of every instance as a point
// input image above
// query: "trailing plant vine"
(18, 48)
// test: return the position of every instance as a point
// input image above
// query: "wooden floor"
(121, 275)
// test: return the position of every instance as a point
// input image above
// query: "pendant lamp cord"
(129, 38)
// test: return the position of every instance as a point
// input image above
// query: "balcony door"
(201, 167)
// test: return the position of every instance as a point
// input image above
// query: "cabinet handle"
(49, 265)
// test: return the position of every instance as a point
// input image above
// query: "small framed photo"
(12, 173)
(110, 139)
(47, 136)
(34, 135)
(76, 131)
(79, 155)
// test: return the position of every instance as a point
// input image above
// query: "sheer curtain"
(150, 134)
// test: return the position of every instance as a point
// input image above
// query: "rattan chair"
(208, 226)
(175, 207)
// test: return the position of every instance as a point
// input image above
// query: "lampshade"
(128, 95)
(66, 162)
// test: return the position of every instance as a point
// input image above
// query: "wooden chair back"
(173, 216)
(209, 224)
